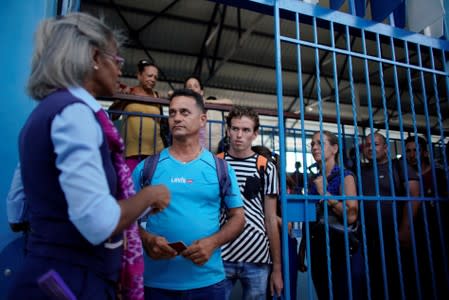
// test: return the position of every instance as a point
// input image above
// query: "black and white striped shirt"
(252, 244)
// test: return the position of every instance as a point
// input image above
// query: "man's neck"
(424, 167)
(185, 150)
(240, 154)
(380, 162)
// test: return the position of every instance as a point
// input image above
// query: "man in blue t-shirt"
(192, 218)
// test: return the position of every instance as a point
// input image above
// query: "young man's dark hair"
(189, 93)
(243, 111)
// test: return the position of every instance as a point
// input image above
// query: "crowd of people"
(156, 217)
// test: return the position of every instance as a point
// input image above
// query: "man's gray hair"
(63, 52)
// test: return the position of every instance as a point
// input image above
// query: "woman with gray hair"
(72, 172)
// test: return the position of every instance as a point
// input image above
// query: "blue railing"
(378, 65)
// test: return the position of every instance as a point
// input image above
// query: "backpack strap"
(146, 175)
(223, 175)
(149, 166)
(261, 164)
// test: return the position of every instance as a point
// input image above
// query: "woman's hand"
(158, 197)
(319, 184)
(151, 198)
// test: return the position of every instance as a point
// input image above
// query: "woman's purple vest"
(52, 234)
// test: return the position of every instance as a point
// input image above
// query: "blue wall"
(19, 20)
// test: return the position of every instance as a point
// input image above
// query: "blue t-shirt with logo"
(192, 214)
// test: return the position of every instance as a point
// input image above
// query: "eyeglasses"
(119, 61)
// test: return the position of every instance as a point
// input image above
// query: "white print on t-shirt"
(181, 180)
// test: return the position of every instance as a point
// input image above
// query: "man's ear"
(203, 118)
(256, 133)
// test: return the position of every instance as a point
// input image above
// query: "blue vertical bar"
(357, 155)
(425, 105)
(418, 150)
(19, 22)
(446, 21)
(373, 150)
(283, 179)
(434, 178)
(304, 158)
(351, 5)
(440, 122)
(323, 162)
(69, 6)
(340, 146)
(390, 168)
(446, 169)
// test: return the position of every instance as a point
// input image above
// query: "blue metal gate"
(396, 85)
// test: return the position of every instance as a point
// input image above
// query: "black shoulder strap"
(223, 176)
(261, 164)
(149, 167)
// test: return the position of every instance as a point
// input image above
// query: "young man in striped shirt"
(256, 251)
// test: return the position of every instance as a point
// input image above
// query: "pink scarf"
(131, 277)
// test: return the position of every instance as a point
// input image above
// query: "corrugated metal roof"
(236, 50)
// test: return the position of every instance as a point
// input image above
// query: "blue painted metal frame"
(352, 21)
(368, 29)
(21, 18)
(283, 178)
